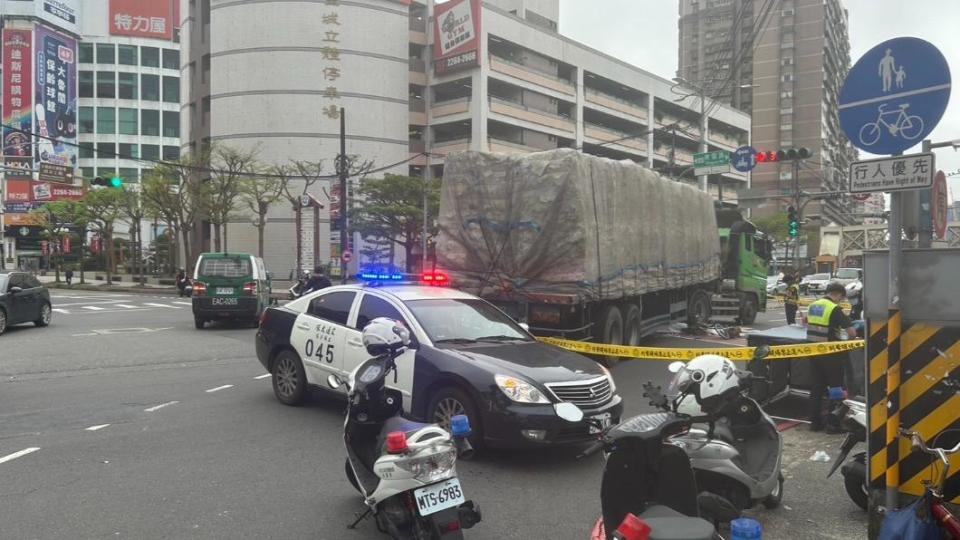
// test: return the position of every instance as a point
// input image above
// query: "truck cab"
(745, 256)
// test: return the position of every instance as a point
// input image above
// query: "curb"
(112, 288)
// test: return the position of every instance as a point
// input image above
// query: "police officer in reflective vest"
(825, 322)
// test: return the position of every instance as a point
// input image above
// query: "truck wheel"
(698, 309)
(610, 331)
(632, 324)
(748, 309)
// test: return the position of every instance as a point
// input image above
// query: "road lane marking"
(93, 308)
(184, 303)
(126, 306)
(96, 428)
(217, 389)
(264, 376)
(162, 405)
(16, 455)
(58, 310)
(160, 305)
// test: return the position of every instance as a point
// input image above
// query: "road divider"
(777, 352)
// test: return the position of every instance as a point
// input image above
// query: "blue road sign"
(744, 159)
(894, 95)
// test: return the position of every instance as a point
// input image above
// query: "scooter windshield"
(682, 379)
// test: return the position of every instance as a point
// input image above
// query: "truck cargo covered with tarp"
(563, 222)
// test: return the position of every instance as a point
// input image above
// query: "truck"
(583, 247)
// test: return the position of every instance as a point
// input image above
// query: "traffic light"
(793, 223)
(766, 156)
(785, 154)
(114, 182)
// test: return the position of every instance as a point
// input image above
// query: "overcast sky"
(644, 33)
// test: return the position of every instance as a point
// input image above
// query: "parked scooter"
(405, 470)
(648, 488)
(185, 287)
(852, 416)
(296, 291)
(736, 449)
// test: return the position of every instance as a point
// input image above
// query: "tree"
(392, 208)
(229, 167)
(104, 207)
(259, 194)
(777, 229)
(134, 210)
(174, 192)
(53, 218)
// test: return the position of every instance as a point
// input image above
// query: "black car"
(467, 357)
(23, 299)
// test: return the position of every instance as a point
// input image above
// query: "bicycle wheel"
(911, 128)
(870, 134)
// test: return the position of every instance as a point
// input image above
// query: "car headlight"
(519, 390)
(613, 385)
(429, 468)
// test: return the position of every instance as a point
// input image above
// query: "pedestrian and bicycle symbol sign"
(744, 159)
(894, 96)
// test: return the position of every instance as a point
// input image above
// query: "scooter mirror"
(569, 412)
(334, 382)
(525, 326)
(762, 351)
(674, 367)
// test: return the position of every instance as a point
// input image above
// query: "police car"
(466, 357)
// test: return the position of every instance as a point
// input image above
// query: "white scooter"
(405, 470)
(736, 451)
(852, 416)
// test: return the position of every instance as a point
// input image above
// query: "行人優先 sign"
(894, 95)
(711, 163)
(898, 173)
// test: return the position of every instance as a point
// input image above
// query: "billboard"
(58, 13)
(456, 36)
(17, 102)
(56, 105)
(143, 18)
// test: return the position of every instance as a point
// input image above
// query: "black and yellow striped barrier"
(777, 352)
(921, 393)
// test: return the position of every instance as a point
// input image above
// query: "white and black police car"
(466, 357)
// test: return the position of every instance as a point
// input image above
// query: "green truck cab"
(229, 286)
(745, 254)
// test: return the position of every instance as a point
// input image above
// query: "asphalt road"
(121, 420)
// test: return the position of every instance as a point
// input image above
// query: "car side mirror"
(334, 382)
(15, 289)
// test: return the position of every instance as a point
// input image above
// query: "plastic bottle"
(745, 529)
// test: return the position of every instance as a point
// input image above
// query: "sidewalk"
(101, 285)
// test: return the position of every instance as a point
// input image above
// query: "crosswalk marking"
(59, 310)
(184, 303)
(93, 308)
(160, 305)
(126, 306)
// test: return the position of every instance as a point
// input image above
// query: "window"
(334, 307)
(150, 152)
(372, 307)
(127, 85)
(86, 84)
(205, 68)
(86, 150)
(171, 124)
(106, 84)
(171, 59)
(106, 149)
(149, 57)
(86, 173)
(234, 267)
(171, 89)
(128, 121)
(129, 175)
(127, 55)
(106, 53)
(150, 122)
(171, 153)
(205, 104)
(150, 88)
(128, 150)
(106, 120)
(86, 119)
(85, 52)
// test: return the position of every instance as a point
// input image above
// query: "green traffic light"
(116, 182)
(794, 229)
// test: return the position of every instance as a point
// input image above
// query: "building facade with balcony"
(529, 89)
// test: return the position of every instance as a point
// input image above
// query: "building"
(492, 76)
(129, 88)
(793, 58)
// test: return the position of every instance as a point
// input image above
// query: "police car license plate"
(224, 301)
(224, 290)
(604, 421)
(437, 497)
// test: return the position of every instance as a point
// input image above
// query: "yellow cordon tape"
(777, 352)
(807, 302)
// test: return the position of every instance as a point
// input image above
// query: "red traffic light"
(766, 156)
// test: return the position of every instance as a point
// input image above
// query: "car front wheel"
(289, 378)
(449, 402)
(46, 315)
(3, 321)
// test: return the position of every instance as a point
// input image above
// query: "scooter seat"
(399, 423)
(668, 524)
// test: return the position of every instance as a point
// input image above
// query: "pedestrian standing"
(69, 276)
(825, 322)
(792, 302)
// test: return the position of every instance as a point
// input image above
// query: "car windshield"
(848, 273)
(464, 320)
(225, 267)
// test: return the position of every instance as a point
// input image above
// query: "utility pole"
(796, 204)
(342, 171)
(703, 179)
